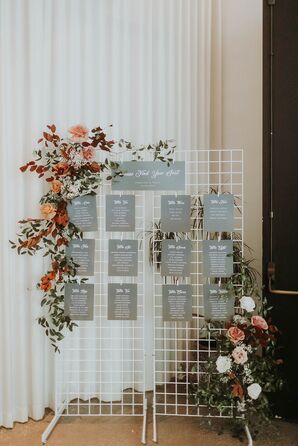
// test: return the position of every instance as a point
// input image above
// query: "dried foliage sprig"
(70, 167)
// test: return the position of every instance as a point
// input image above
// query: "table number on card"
(82, 253)
(123, 257)
(175, 213)
(218, 213)
(177, 302)
(122, 301)
(79, 301)
(83, 213)
(176, 258)
(218, 303)
(120, 213)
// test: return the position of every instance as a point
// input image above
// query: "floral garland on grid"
(70, 168)
(240, 375)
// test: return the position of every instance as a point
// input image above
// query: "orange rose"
(48, 211)
(235, 334)
(78, 133)
(51, 275)
(61, 168)
(45, 283)
(56, 186)
(62, 218)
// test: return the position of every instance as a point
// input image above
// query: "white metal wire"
(178, 346)
(101, 368)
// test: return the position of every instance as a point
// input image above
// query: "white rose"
(223, 364)
(247, 303)
(254, 390)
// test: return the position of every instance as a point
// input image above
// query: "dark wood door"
(280, 169)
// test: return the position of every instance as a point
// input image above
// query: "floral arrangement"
(70, 169)
(239, 377)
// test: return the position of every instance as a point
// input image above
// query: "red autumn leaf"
(39, 169)
(48, 137)
(39, 141)
(52, 128)
(24, 168)
(49, 179)
(237, 390)
(32, 168)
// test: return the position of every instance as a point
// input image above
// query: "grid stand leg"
(45, 435)
(247, 431)
(143, 440)
(154, 437)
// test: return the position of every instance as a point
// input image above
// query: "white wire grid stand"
(101, 368)
(178, 346)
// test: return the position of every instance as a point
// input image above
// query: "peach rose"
(78, 133)
(48, 211)
(56, 186)
(239, 355)
(61, 168)
(235, 334)
(259, 322)
(88, 153)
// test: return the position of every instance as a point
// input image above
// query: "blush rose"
(56, 186)
(239, 355)
(88, 153)
(259, 322)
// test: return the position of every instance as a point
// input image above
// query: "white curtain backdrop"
(150, 67)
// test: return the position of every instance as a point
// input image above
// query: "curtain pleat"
(148, 67)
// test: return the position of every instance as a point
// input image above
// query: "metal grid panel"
(180, 345)
(101, 368)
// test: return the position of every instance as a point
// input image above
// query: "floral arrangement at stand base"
(240, 376)
(70, 169)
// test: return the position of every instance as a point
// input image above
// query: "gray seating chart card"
(175, 213)
(83, 213)
(177, 302)
(219, 213)
(122, 301)
(123, 257)
(218, 303)
(175, 258)
(150, 175)
(120, 213)
(79, 301)
(217, 258)
(82, 253)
